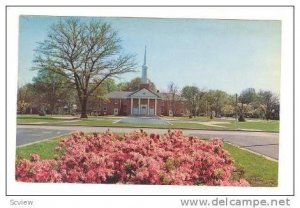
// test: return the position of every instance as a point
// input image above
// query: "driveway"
(264, 143)
(143, 120)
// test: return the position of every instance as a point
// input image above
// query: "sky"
(230, 55)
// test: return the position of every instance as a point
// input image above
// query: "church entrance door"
(144, 109)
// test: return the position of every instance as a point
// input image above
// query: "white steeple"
(144, 79)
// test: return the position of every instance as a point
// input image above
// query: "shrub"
(135, 158)
(42, 113)
(242, 118)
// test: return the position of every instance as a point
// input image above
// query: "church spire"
(145, 54)
(144, 69)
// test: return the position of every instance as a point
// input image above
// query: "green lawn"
(256, 169)
(179, 123)
(186, 118)
(45, 149)
(38, 119)
(257, 125)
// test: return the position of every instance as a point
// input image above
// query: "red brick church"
(143, 102)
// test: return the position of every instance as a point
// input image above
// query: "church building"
(142, 102)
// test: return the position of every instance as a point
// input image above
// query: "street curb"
(256, 153)
(143, 127)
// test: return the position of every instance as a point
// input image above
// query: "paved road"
(260, 142)
(30, 135)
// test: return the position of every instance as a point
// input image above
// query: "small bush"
(42, 113)
(135, 158)
(242, 118)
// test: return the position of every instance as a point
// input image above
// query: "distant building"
(143, 102)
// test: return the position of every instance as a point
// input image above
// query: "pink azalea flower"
(135, 158)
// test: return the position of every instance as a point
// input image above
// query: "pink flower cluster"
(134, 158)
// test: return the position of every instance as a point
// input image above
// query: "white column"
(155, 106)
(148, 107)
(131, 106)
(139, 106)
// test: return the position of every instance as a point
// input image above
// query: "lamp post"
(236, 109)
(206, 108)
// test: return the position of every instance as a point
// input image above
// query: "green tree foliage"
(263, 104)
(192, 96)
(248, 96)
(53, 90)
(26, 98)
(98, 95)
(247, 99)
(216, 101)
(134, 85)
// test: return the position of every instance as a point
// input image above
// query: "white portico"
(144, 102)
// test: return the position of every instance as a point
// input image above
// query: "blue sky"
(230, 55)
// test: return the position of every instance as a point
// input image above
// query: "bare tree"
(173, 90)
(87, 53)
(270, 101)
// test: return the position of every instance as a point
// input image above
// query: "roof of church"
(127, 94)
(155, 93)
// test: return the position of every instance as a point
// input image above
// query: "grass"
(186, 118)
(37, 119)
(179, 123)
(257, 125)
(45, 149)
(256, 169)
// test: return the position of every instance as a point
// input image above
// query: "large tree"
(247, 97)
(216, 101)
(86, 53)
(192, 96)
(269, 102)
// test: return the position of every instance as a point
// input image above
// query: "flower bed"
(135, 158)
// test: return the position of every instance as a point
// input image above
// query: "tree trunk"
(268, 115)
(84, 107)
(52, 108)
